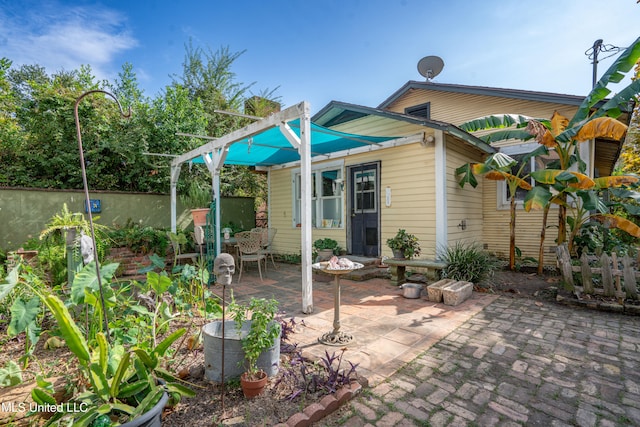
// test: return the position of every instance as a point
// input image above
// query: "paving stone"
(364, 411)
(412, 411)
(391, 419)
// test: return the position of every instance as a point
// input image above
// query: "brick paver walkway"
(517, 362)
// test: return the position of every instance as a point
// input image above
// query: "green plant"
(468, 262)
(120, 382)
(196, 197)
(262, 333)
(326, 243)
(66, 220)
(405, 242)
(140, 239)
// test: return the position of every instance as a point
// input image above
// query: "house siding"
(491, 227)
(457, 108)
(407, 170)
(463, 203)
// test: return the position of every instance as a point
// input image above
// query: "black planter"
(151, 418)
(398, 253)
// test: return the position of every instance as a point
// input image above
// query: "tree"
(594, 118)
(208, 79)
(500, 167)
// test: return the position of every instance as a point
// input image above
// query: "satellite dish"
(430, 66)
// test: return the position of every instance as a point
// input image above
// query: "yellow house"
(358, 174)
(413, 186)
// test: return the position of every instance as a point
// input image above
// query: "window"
(364, 191)
(326, 197)
(422, 110)
(537, 163)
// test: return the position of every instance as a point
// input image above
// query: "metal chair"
(176, 242)
(249, 247)
(266, 241)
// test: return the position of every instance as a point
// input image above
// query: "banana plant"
(501, 167)
(596, 117)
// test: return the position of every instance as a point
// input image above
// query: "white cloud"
(60, 38)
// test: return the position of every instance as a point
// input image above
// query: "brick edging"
(327, 405)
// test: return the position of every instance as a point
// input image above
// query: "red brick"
(298, 420)
(315, 412)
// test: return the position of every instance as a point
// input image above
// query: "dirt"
(206, 408)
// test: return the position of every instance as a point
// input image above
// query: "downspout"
(441, 193)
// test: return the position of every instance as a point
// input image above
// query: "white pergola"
(214, 153)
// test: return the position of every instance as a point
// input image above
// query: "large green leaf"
(99, 382)
(116, 381)
(88, 278)
(11, 374)
(631, 209)
(10, 281)
(158, 282)
(623, 64)
(164, 345)
(68, 327)
(495, 121)
(505, 135)
(23, 315)
(42, 397)
(589, 200)
(537, 198)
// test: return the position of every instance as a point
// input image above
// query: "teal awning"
(270, 147)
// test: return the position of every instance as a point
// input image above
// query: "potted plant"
(263, 333)
(325, 248)
(404, 245)
(197, 199)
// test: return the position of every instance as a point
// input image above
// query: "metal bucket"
(412, 290)
(234, 364)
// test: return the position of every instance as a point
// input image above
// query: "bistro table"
(230, 246)
(336, 337)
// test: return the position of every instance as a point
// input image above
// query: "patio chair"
(249, 247)
(176, 243)
(198, 237)
(266, 241)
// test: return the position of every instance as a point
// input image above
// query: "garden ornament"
(224, 266)
(86, 248)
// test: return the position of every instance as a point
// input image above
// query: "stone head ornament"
(224, 266)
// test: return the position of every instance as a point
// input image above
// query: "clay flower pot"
(252, 388)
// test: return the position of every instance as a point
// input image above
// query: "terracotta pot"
(199, 216)
(252, 388)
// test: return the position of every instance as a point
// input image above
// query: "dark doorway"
(364, 208)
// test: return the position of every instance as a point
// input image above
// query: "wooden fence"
(607, 275)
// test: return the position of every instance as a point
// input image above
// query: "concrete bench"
(397, 267)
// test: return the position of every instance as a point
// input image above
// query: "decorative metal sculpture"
(223, 267)
(86, 194)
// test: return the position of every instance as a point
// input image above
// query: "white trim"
(219, 148)
(318, 167)
(440, 152)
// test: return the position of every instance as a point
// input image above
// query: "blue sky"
(356, 51)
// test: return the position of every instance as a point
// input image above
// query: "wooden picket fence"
(618, 278)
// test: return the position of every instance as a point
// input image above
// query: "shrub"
(140, 239)
(468, 262)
